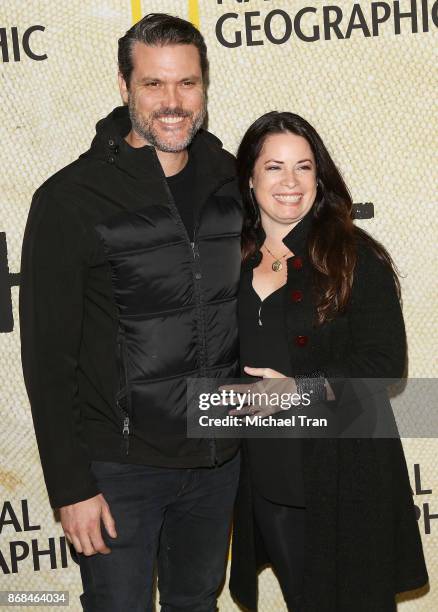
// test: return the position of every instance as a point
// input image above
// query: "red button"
(297, 263)
(296, 295)
(301, 340)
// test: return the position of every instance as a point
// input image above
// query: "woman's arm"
(375, 324)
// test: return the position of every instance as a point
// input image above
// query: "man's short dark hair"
(159, 29)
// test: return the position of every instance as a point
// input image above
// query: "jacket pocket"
(123, 396)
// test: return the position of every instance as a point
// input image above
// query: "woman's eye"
(272, 167)
(304, 168)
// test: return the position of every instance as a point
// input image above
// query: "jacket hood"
(109, 145)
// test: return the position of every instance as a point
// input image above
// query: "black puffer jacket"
(118, 308)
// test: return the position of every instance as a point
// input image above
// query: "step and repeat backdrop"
(364, 73)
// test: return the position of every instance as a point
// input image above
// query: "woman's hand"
(263, 372)
(265, 397)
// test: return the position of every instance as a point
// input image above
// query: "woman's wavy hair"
(333, 237)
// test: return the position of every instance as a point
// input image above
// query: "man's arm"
(53, 277)
(51, 311)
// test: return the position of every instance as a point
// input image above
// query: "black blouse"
(275, 462)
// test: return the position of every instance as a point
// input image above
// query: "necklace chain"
(272, 254)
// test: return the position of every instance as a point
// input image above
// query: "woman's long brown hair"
(333, 237)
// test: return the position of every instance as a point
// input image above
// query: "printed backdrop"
(363, 73)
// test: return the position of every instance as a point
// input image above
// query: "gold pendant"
(277, 265)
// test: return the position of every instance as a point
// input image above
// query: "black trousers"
(283, 530)
(177, 520)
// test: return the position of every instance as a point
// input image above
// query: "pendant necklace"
(277, 264)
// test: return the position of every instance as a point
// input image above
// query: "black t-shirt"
(276, 463)
(181, 187)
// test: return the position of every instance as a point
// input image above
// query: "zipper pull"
(195, 250)
(125, 433)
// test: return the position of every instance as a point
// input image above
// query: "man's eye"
(188, 83)
(152, 84)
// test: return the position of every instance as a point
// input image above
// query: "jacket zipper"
(202, 334)
(196, 271)
(125, 412)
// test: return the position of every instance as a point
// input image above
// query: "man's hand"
(82, 525)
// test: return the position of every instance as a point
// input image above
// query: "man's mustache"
(171, 112)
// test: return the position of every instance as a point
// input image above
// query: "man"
(130, 267)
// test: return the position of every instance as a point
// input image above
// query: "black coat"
(363, 542)
(118, 308)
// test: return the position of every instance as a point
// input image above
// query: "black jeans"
(175, 519)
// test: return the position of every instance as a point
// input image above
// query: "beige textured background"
(370, 98)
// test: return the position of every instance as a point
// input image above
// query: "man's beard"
(144, 127)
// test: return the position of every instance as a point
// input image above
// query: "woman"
(318, 303)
